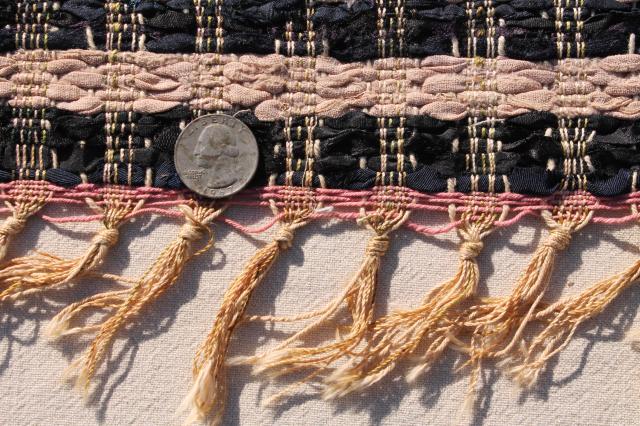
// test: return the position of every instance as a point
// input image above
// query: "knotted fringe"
(125, 305)
(498, 323)
(42, 271)
(562, 320)
(400, 334)
(207, 396)
(29, 198)
(358, 296)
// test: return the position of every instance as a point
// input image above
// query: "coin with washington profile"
(216, 155)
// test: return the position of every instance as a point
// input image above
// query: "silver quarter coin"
(216, 155)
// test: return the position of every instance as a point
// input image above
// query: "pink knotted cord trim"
(339, 204)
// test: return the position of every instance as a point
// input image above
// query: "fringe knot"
(377, 245)
(192, 230)
(12, 226)
(284, 237)
(469, 250)
(559, 238)
(106, 237)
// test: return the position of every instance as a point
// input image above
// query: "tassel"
(208, 392)
(31, 274)
(30, 198)
(562, 320)
(358, 296)
(399, 334)
(59, 326)
(125, 305)
(499, 323)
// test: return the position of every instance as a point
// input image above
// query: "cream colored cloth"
(595, 381)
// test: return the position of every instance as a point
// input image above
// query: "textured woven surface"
(364, 111)
(111, 113)
(345, 30)
(346, 151)
(438, 86)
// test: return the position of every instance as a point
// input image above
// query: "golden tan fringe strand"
(207, 397)
(358, 296)
(399, 334)
(42, 271)
(126, 304)
(497, 324)
(28, 201)
(562, 320)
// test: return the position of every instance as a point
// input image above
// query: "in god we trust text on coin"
(216, 155)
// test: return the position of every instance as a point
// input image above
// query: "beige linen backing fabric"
(594, 382)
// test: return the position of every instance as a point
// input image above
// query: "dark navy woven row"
(530, 155)
(348, 31)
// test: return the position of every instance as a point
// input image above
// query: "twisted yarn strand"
(26, 205)
(499, 323)
(358, 296)
(399, 334)
(207, 397)
(160, 276)
(32, 274)
(562, 320)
